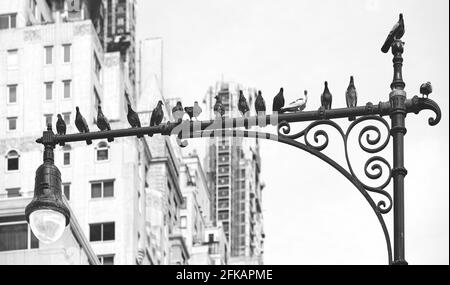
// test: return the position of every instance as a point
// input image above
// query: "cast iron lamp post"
(48, 181)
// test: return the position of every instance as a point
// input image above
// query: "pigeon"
(298, 105)
(278, 101)
(426, 89)
(178, 112)
(396, 33)
(242, 104)
(81, 124)
(326, 98)
(351, 96)
(133, 119)
(190, 112)
(102, 121)
(219, 109)
(157, 115)
(197, 110)
(260, 104)
(61, 126)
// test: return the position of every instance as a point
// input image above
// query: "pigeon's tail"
(88, 142)
(387, 45)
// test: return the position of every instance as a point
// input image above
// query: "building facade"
(233, 170)
(52, 60)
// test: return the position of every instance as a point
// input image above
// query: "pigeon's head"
(401, 16)
(59, 116)
(78, 109)
(352, 80)
(129, 107)
(306, 93)
(160, 103)
(179, 104)
(281, 89)
(259, 93)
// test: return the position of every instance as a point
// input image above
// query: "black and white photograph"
(241, 136)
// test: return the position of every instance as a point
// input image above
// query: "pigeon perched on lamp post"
(426, 89)
(298, 105)
(178, 112)
(157, 115)
(278, 101)
(326, 98)
(396, 33)
(102, 121)
(81, 124)
(61, 126)
(190, 112)
(197, 110)
(133, 119)
(219, 109)
(260, 104)
(351, 96)
(242, 104)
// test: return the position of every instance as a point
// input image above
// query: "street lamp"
(49, 211)
(47, 214)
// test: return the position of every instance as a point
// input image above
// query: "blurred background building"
(233, 170)
(133, 201)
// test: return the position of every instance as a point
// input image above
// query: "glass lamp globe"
(47, 225)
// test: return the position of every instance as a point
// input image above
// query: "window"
(12, 123)
(12, 160)
(17, 236)
(67, 89)
(12, 94)
(66, 155)
(67, 52)
(48, 55)
(13, 193)
(210, 238)
(66, 118)
(104, 189)
(106, 259)
(8, 21)
(66, 190)
(102, 152)
(102, 232)
(183, 222)
(48, 120)
(13, 59)
(184, 203)
(48, 91)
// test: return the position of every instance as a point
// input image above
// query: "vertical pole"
(398, 132)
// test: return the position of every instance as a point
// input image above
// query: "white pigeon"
(297, 105)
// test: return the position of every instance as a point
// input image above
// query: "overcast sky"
(312, 215)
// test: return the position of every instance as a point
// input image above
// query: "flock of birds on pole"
(178, 111)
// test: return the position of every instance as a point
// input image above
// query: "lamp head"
(47, 214)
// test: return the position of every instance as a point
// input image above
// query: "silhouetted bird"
(426, 89)
(351, 96)
(81, 124)
(278, 101)
(326, 98)
(260, 104)
(219, 109)
(133, 119)
(102, 121)
(298, 105)
(197, 110)
(61, 126)
(396, 33)
(190, 112)
(178, 112)
(242, 104)
(157, 115)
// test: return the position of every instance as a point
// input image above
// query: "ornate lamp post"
(396, 108)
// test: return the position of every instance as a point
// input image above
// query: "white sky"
(312, 214)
